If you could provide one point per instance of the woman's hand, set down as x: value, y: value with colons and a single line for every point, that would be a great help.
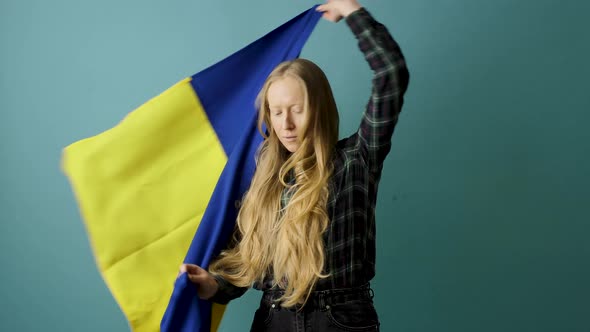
x: 335, y: 10
x: 206, y: 285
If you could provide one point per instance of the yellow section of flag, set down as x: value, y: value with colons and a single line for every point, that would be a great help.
x: 142, y: 188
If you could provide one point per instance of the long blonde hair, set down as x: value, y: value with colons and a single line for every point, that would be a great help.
x: 287, y: 242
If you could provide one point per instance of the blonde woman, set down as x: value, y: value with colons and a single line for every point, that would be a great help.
x: 305, y: 232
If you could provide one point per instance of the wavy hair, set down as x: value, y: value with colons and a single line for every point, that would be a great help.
x: 286, y: 242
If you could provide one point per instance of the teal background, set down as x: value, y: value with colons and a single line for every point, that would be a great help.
x: 483, y: 215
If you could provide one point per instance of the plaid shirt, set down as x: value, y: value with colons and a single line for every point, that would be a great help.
x: 358, y: 161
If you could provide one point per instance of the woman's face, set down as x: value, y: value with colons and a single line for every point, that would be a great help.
x: 288, y: 116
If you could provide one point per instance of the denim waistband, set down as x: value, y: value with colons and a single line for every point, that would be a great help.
x: 322, y: 299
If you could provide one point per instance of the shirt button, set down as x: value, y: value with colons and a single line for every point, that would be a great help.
x: 328, y: 307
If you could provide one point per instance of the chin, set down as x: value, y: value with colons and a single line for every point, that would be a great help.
x: 291, y: 147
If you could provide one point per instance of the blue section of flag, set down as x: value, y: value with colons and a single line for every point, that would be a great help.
x: 227, y: 91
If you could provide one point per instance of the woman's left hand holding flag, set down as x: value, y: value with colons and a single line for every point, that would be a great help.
x: 206, y: 285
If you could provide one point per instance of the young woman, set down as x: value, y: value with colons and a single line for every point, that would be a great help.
x: 306, y: 229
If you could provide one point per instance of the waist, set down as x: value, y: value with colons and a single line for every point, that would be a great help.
x: 323, y: 298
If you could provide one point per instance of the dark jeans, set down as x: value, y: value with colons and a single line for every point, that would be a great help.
x: 332, y: 310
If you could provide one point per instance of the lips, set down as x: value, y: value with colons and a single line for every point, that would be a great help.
x: 290, y: 138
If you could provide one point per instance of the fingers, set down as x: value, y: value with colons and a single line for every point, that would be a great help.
x: 336, y: 10
x: 194, y: 269
x: 206, y: 284
x: 324, y: 8
x: 330, y: 12
x: 181, y: 270
x: 191, y: 269
x: 195, y: 273
x: 328, y: 5
x: 197, y: 278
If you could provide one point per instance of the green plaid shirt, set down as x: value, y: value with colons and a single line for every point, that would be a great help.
x: 358, y: 161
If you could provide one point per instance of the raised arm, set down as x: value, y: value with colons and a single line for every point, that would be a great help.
x: 390, y: 79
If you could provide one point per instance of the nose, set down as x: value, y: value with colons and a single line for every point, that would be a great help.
x: 288, y: 122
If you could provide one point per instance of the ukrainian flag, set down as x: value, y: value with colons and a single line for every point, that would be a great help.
x: 161, y: 187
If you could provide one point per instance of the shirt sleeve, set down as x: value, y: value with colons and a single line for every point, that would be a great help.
x: 226, y: 291
x: 390, y: 82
